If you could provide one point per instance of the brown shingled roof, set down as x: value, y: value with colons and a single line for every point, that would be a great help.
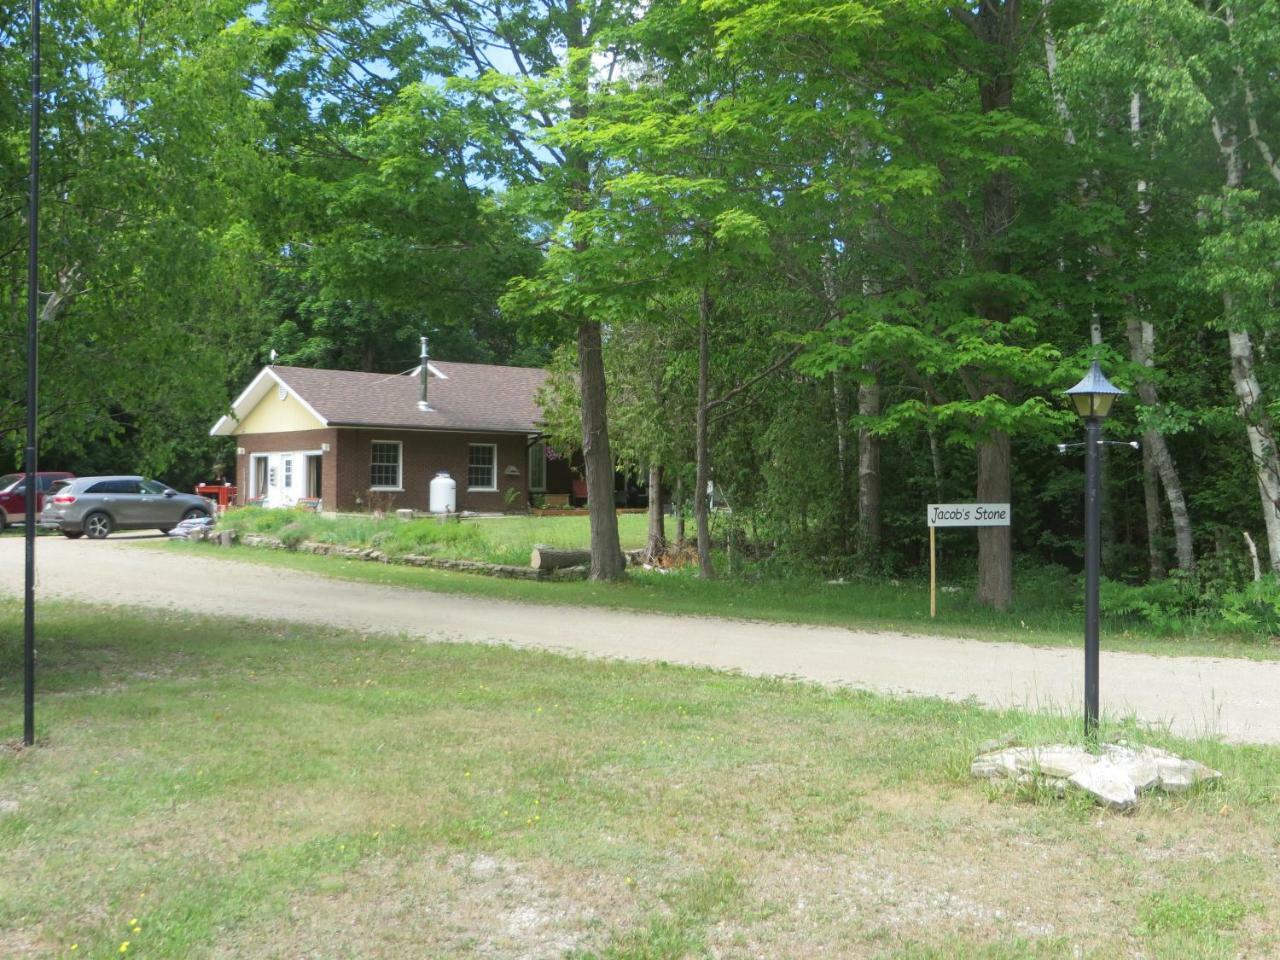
x: 469, y: 396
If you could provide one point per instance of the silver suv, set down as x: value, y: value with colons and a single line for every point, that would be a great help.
x: 95, y: 506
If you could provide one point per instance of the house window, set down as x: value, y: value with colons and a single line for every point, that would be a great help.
x: 259, y: 488
x: 288, y: 472
x: 538, y: 467
x: 384, y: 470
x: 482, y: 467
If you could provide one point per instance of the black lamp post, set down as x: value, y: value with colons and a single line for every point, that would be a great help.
x: 29, y: 453
x: 1093, y: 397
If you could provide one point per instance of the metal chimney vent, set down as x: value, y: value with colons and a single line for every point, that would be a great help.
x: 423, y: 405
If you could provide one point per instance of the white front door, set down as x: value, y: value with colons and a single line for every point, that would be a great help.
x: 289, y: 476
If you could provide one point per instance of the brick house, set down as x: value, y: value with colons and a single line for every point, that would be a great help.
x: 360, y: 441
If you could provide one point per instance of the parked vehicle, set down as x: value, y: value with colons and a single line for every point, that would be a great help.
x: 95, y: 506
x: 13, y: 498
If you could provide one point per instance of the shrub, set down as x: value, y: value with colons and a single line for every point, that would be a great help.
x: 1169, y: 606
x: 1180, y: 604
x: 1255, y: 608
x: 292, y: 536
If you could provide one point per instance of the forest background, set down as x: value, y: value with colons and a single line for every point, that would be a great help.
x: 841, y: 259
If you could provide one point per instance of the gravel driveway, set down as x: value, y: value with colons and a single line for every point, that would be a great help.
x: 1236, y: 699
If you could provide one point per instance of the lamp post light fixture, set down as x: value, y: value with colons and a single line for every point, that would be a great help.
x: 1092, y: 397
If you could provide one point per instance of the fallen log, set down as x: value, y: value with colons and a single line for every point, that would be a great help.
x: 553, y: 558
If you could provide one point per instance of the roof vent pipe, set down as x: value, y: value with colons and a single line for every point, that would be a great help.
x: 422, y: 374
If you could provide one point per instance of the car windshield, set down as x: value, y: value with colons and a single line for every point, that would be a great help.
x: 10, y: 480
x: 151, y: 486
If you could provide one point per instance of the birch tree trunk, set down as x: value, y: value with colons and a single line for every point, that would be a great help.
x: 678, y: 497
x: 838, y: 414
x: 702, y: 456
x: 1156, y: 453
x: 1261, y: 433
x: 1155, y: 520
x: 1244, y: 378
x: 870, y: 530
x: 838, y: 409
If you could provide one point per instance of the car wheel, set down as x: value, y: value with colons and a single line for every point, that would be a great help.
x: 195, y: 513
x: 164, y: 529
x: 97, y: 526
x: 4, y: 521
x: 72, y: 534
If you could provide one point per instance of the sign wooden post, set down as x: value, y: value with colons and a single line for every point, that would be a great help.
x: 933, y: 571
x: 958, y: 515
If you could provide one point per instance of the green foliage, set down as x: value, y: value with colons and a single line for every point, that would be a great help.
x: 1185, y: 605
x: 1167, y: 606
x: 1254, y: 609
x: 151, y: 174
x: 904, y: 192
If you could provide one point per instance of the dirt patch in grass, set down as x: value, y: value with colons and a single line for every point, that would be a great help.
x: 949, y: 875
x: 441, y: 904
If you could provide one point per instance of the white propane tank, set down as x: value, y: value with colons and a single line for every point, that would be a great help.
x: 444, y: 493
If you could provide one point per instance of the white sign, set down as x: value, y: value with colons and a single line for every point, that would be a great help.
x: 968, y: 515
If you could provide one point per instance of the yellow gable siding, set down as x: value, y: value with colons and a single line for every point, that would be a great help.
x: 273, y: 415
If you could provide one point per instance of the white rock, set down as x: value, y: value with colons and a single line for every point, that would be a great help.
x: 1141, y: 764
x: 1063, y: 762
x: 1177, y: 775
x: 8, y: 806
x: 1108, y: 782
x: 1002, y: 763
x: 1115, y: 776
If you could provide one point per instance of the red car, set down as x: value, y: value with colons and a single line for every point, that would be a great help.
x: 13, y: 501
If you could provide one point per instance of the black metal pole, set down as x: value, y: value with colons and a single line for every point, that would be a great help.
x: 30, y: 491
x: 1092, y: 563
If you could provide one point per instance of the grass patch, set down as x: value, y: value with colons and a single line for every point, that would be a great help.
x: 489, y: 539
x: 1174, y: 919
x: 1044, y: 612
x: 264, y: 789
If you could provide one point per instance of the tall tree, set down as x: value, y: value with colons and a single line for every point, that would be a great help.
x: 150, y: 172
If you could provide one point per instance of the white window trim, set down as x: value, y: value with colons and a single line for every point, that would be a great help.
x: 538, y: 446
x: 399, y: 487
x: 491, y: 489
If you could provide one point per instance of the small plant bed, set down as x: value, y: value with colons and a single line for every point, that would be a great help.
x: 507, y: 541
x: 212, y: 788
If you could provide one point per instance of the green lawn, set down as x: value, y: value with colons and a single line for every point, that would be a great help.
x: 1046, y: 611
x: 231, y: 789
